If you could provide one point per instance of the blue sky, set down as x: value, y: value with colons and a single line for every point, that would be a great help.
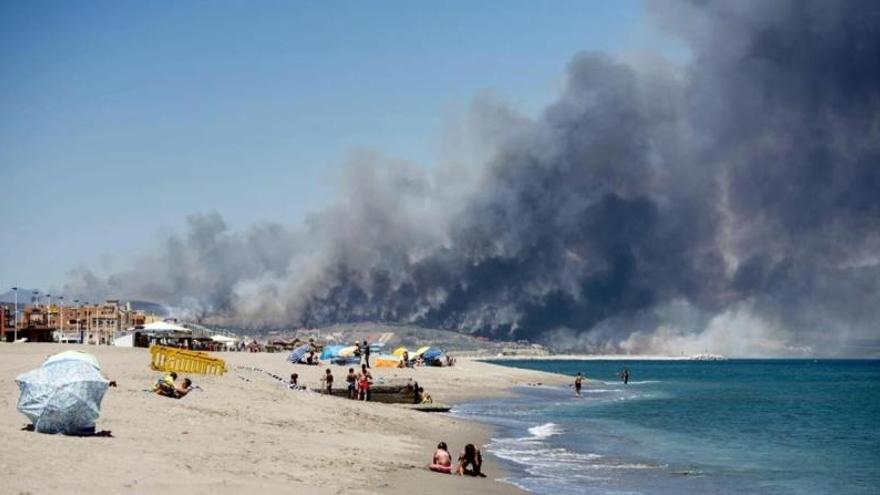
x: 118, y: 119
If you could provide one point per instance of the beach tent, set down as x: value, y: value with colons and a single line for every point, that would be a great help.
x: 331, y: 351
x: 399, y: 351
x: 297, y: 354
x: 229, y: 341
x: 64, y: 395
x: 165, y: 327
x: 420, y: 351
x: 432, y: 354
x: 386, y: 361
x: 126, y: 340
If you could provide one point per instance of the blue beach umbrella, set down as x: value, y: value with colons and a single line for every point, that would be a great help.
x: 297, y: 354
x: 432, y: 354
x: 63, y: 395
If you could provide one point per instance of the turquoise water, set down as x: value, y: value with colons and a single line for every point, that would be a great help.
x: 738, y: 426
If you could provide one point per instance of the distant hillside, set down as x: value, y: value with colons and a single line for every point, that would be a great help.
x: 410, y: 336
x: 24, y: 295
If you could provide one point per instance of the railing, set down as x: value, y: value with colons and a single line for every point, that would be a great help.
x: 183, y: 361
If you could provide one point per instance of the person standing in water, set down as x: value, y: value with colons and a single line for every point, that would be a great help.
x: 578, y: 383
x: 624, y: 375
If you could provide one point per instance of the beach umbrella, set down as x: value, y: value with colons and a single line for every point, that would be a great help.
x: 297, y: 354
x: 81, y: 356
x: 348, y: 351
x: 432, y: 354
x: 64, y: 395
x: 421, y: 350
x: 331, y: 351
x: 399, y: 351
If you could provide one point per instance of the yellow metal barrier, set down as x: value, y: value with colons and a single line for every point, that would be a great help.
x: 183, y: 361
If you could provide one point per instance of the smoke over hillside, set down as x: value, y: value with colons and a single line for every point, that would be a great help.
x: 732, y: 205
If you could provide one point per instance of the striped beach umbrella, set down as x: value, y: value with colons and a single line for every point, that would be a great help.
x: 297, y: 354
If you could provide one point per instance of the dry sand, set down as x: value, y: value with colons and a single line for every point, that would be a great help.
x: 256, y: 436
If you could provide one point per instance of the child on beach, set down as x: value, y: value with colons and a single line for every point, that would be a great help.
x: 328, y: 382
x: 351, y: 379
x: 165, y: 385
x: 442, y: 462
x: 293, y: 384
x: 364, y: 381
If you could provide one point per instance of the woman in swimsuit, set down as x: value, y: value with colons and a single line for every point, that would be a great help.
x: 470, y: 462
x: 442, y: 462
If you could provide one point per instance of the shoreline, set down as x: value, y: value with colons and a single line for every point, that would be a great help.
x: 245, y: 430
x: 589, y: 357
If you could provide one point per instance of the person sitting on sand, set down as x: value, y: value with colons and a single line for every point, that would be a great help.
x: 165, y: 385
x: 328, y: 382
x: 426, y: 398
x: 351, y: 380
x: 181, y: 391
x: 293, y: 384
x: 417, y: 393
x: 442, y: 462
x: 470, y: 462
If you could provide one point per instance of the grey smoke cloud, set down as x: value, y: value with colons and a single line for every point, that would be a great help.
x: 732, y: 205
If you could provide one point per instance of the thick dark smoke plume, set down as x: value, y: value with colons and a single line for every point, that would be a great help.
x: 732, y: 205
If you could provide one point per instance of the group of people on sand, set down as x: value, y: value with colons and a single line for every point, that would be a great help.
x: 358, y: 383
x: 167, y: 386
x: 419, y: 361
x: 470, y: 461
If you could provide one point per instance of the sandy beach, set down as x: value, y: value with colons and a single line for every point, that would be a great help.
x: 245, y: 432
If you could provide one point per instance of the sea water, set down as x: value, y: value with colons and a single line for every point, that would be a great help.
x: 736, y: 426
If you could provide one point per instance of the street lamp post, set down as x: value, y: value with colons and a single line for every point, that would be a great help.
x: 89, y: 321
x: 15, y: 319
x: 49, y: 311
x: 78, y: 324
x: 36, y: 299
